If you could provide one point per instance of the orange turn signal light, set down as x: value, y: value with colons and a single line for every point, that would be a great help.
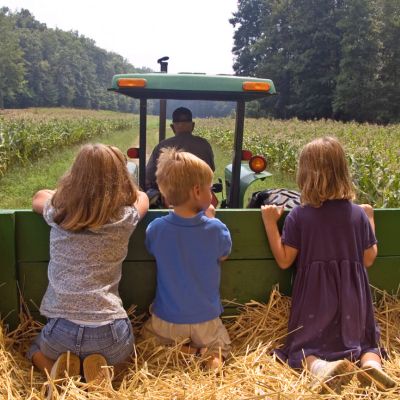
x: 257, y: 164
x: 133, y: 152
x: 246, y: 155
x: 131, y: 82
x: 256, y: 86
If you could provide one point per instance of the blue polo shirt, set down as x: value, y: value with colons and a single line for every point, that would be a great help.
x: 187, y: 252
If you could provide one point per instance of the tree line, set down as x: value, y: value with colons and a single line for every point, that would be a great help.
x: 328, y: 58
x: 43, y: 67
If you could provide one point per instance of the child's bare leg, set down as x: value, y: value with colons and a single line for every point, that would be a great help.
x: 41, y: 362
x: 367, y: 357
x: 309, y: 361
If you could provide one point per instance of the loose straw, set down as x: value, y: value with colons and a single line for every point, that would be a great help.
x: 159, y: 373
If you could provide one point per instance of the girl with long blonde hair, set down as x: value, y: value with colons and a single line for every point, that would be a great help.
x: 333, y: 241
x: 92, y: 213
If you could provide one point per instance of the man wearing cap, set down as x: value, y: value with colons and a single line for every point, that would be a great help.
x: 182, y: 126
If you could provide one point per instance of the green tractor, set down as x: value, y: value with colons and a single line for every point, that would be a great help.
x: 245, y: 168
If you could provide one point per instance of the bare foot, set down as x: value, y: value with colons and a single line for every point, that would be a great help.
x: 214, y: 363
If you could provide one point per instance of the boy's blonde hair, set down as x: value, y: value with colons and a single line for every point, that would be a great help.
x: 94, y: 190
x: 178, y: 172
x: 323, y: 173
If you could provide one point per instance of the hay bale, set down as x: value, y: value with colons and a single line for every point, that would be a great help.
x: 166, y: 373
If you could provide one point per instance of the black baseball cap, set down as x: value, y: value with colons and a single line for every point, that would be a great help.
x: 182, y: 114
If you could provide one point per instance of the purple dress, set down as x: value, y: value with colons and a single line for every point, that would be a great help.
x: 332, y: 315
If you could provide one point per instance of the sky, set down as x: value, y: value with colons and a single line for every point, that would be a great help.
x: 195, y: 34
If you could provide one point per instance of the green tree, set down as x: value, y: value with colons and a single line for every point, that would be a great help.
x: 275, y: 51
x: 11, y: 60
x: 296, y: 44
x: 249, y: 22
x: 60, y: 68
x: 356, y: 87
x: 389, y: 63
x: 315, y: 56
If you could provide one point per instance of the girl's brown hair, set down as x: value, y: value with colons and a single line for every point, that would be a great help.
x: 94, y: 190
x: 323, y: 173
x: 178, y: 172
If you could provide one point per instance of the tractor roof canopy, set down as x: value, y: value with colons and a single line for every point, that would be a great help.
x: 192, y: 86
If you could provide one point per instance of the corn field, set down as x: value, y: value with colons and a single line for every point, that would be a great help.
x: 373, y: 151
x: 25, y: 135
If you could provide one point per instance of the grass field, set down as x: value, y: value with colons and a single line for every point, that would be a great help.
x: 38, y: 145
x: 24, y: 176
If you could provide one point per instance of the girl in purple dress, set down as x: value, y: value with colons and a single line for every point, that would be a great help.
x: 332, y: 241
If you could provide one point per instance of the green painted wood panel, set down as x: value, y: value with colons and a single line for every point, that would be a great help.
x: 387, y: 223
x: 249, y: 273
x: 242, y: 281
x: 245, y: 280
x: 9, y: 297
x: 33, y: 283
x: 138, y: 284
x: 248, y: 236
x: 249, y: 240
x: 385, y: 273
x: 32, y: 237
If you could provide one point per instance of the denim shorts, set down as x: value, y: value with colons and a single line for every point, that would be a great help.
x: 114, y: 341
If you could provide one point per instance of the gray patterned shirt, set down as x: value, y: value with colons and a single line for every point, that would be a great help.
x: 85, y: 269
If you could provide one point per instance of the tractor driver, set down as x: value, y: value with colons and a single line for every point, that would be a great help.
x: 182, y: 126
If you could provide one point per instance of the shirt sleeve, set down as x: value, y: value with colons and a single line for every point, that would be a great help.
x: 225, y: 241
x: 148, y: 240
x: 133, y: 216
x: 48, y: 212
x: 291, y: 232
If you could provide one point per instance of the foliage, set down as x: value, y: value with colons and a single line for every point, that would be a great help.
x: 49, y: 67
x: 28, y: 135
x: 328, y: 58
x: 249, y: 22
x: 389, y: 74
x: 11, y: 61
x: 41, y: 67
x: 373, y: 150
x: 356, y: 88
x: 203, y: 108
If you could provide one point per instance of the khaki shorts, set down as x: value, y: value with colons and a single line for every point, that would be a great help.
x: 210, y: 334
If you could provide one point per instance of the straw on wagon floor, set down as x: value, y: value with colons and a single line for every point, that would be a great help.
x: 166, y: 373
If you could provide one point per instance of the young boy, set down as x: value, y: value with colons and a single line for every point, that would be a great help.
x: 188, y: 247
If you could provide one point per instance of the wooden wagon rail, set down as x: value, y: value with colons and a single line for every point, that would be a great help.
x: 249, y: 273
